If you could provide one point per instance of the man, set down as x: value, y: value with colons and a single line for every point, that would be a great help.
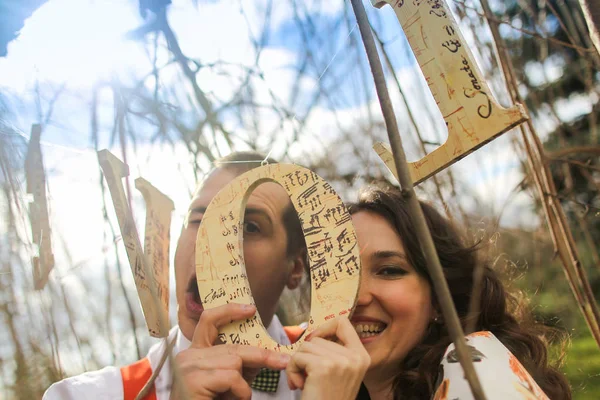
x: 274, y: 253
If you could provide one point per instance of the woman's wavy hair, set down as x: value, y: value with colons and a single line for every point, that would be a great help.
x: 499, y: 312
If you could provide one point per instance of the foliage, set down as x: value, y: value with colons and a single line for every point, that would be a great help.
x: 583, y: 367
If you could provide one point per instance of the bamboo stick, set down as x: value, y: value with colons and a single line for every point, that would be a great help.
x: 562, y: 236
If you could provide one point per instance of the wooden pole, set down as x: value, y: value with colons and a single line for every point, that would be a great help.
x: 433, y: 263
x: 591, y: 12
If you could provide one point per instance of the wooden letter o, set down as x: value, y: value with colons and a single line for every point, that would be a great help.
x: 333, y: 253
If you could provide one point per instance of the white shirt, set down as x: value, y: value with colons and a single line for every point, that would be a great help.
x: 107, y: 384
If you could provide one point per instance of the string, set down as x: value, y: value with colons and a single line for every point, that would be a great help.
x: 342, y: 46
x: 266, y: 160
x: 329, y: 64
x: 49, y: 144
x: 294, y: 117
x: 263, y: 162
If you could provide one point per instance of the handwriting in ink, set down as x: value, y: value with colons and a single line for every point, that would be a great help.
x: 213, y: 295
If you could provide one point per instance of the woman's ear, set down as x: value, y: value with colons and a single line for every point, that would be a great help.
x: 297, y: 267
x: 436, y: 312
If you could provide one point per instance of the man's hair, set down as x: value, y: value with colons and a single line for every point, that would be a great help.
x: 239, y: 162
x: 243, y: 161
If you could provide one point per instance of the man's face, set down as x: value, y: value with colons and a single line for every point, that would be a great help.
x: 268, y: 265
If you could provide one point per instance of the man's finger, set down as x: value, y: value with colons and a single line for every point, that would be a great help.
x: 252, y: 357
x: 189, y: 363
x: 232, y: 381
x: 211, y: 383
x: 207, y: 330
x: 255, y: 357
x: 250, y: 374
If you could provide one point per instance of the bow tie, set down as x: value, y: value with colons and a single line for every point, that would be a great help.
x: 266, y: 380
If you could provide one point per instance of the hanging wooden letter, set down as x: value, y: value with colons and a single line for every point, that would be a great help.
x: 472, y: 115
x: 152, y: 283
x: 330, y: 238
x: 157, y: 235
x: 38, y: 210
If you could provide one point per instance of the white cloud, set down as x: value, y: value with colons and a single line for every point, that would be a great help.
x: 73, y: 41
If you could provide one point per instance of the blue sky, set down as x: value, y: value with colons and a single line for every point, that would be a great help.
x: 78, y: 43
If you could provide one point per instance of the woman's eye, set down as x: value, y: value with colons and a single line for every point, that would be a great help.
x: 392, y: 271
x: 251, y: 227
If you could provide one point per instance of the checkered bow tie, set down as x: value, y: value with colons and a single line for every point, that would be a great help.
x: 266, y: 380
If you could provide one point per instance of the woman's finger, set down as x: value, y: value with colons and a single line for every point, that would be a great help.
x: 295, y: 380
x: 340, y: 327
x: 317, y: 345
x: 297, y: 366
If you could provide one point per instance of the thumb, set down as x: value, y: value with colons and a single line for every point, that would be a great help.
x: 207, y: 330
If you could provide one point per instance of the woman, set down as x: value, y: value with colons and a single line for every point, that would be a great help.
x: 397, y: 343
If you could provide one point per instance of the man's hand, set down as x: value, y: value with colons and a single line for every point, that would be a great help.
x: 209, y: 371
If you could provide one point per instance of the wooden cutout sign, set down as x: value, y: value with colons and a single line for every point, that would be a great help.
x: 472, y: 115
x: 38, y: 210
x: 330, y: 238
x: 157, y: 234
x: 148, y: 281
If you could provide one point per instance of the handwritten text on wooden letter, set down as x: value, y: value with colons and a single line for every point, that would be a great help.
x: 330, y: 239
x: 472, y: 115
x: 158, y: 221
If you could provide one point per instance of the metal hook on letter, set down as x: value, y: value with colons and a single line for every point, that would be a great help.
x: 472, y: 115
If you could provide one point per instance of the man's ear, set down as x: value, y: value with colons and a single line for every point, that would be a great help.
x: 298, y: 266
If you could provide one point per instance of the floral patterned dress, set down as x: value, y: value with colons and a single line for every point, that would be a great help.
x: 501, y: 375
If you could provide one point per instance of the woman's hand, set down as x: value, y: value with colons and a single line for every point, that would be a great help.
x: 223, y: 371
x: 324, y: 369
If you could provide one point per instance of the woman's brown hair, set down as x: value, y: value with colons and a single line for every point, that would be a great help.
x: 497, y: 313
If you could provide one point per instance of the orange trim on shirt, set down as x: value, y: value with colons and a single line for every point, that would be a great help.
x: 293, y: 332
x: 135, y: 377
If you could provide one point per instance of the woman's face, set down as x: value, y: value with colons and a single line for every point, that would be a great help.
x: 394, y: 304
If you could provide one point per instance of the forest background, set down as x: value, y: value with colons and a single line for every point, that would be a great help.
x: 170, y: 86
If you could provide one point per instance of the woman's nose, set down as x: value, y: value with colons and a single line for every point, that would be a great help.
x: 365, y: 295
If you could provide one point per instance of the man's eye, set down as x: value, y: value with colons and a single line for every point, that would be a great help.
x: 251, y: 227
x: 193, y: 222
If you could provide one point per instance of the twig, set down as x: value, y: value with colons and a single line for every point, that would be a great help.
x: 590, y: 149
x: 525, y: 31
x: 578, y: 163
